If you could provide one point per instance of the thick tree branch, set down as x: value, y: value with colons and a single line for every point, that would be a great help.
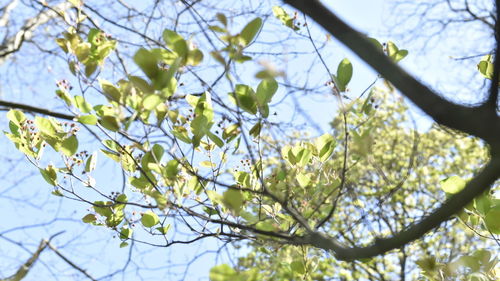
x: 481, y: 121
x: 459, y: 117
x: 24, y: 269
x: 475, y: 187
x: 29, y: 108
x: 493, y: 96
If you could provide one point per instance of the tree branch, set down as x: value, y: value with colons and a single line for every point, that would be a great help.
x: 25, y: 268
x: 459, y: 117
x: 493, y: 96
x: 13, y: 44
x: 481, y: 121
x: 29, y: 108
x: 475, y: 187
x: 72, y: 264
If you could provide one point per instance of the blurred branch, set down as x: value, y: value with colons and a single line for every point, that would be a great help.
x: 467, y: 119
x: 13, y: 43
x: 29, y: 108
x: 72, y: 264
x: 24, y: 269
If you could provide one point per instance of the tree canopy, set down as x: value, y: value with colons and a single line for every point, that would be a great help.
x: 183, y: 122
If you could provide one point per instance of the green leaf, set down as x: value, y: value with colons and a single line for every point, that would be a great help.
x: 492, y: 220
x: 110, y: 122
x: 303, y: 157
x: 303, y: 180
x: 195, y: 57
x: 221, y: 18
x: 172, y: 169
x: 123, y: 244
x: 69, y: 145
x: 344, y: 74
x: 90, y: 119
x: 255, y: 130
x: 222, y: 272
x: 46, y: 126
x: 250, y: 31
x: 325, y: 146
x: 82, y: 51
x: 89, y: 218
x: 181, y: 134
x: 401, y: 54
x: 57, y: 192
x: 233, y: 200
x: 151, y: 101
x: 453, y: 184
x: 16, y: 116
x: 163, y: 229
x: 82, y: 104
x: 283, y: 16
x: 90, y: 68
x: 147, y: 62
x: 49, y: 175
x: 141, y: 84
x: 176, y: 43
x: 376, y: 43
x: 126, y: 233
x: 486, y: 67
x: 265, y: 92
x: 150, y: 219
x: 394, y: 53
x: 482, y: 203
x: 298, y: 266
x: 65, y: 96
x: 392, y: 49
x: 218, y: 141
x: 110, y: 91
x: 91, y: 162
x: 244, y: 97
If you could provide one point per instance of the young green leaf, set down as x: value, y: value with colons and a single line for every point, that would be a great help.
x: 91, y: 163
x: 89, y: 218
x: 150, y: 219
x: 16, y: 116
x: 233, y: 200
x: 69, y: 145
x: 82, y: 104
x: 151, y: 101
x: 176, y: 43
x: 453, y: 184
x: 110, y: 122
x: 147, y: 62
x: 250, y: 31
x: 90, y: 119
x: 49, y: 175
x: 283, y: 16
x: 492, y: 220
x: 344, y: 74
x: 126, y: 233
x: 163, y: 229
x: 265, y: 91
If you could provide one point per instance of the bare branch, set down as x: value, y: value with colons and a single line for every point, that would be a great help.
x: 29, y: 108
